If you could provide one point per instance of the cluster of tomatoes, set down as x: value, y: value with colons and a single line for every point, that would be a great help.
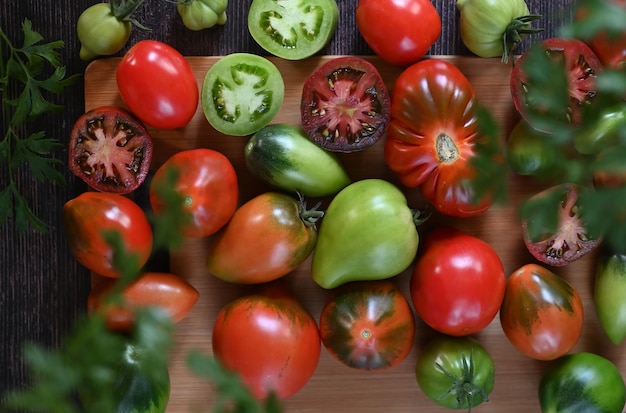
x: 367, y: 323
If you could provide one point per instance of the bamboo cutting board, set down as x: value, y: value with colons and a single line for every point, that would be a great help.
x: 334, y: 387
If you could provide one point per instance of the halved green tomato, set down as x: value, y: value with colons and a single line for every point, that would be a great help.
x: 242, y: 93
x: 292, y: 30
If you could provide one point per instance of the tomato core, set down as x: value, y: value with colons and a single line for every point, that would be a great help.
x: 447, y: 151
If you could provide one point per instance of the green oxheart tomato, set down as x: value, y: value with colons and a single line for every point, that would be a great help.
x: 609, y: 293
x: 202, y: 14
x: 456, y: 372
x: 582, y: 382
x: 283, y: 156
x: 368, y: 233
x: 100, y: 32
x: 292, y: 30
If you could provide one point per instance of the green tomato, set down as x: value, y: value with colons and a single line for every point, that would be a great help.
x: 101, y: 32
x: 455, y: 372
x: 607, y: 129
x: 283, y: 156
x: 368, y: 233
x: 241, y: 93
x: 292, y: 30
x: 491, y: 28
x: 529, y: 151
x: 202, y: 14
x: 609, y: 296
x: 582, y: 382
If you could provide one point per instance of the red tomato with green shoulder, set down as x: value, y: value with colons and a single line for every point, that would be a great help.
x: 541, y: 314
x: 433, y: 137
x: 267, y: 237
x: 400, y: 32
x: 269, y: 339
x: 207, y: 181
x: 457, y: 283
x: 368, y: 325
x: 158, y: 84
x: 88, y: 216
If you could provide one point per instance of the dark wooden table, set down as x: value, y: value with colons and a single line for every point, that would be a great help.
x: 42, y: 288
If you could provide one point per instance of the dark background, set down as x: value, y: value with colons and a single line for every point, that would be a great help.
x: 42, y: 288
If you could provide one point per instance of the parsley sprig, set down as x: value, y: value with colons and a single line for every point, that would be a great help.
x: 28, y: 75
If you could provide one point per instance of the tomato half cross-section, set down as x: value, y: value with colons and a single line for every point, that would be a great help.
x: 368, y: 325
x: 269, y: 339
x: 434, y: 135
x: 458, y: 282
x: 110, y: 149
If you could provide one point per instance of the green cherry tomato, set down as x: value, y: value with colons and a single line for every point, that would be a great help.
x: 455, y: 372
x: 609, y: 295
x: 242, y: 93
x: 292, y: 30
x: 582, y: 382
x: 368, y: 233
x: 202, y: 14
x: 283, y: 156
x: 101, y: 32
x: 491, y: 28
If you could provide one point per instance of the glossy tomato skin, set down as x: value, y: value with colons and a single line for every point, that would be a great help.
x: 400, y: 32
x: 270, y: 340
x: 455, y: 372
x: 169, y: 292
x: 87, y: 216
x: 542, y: 314
x: 368, y: 325
x: 582, y: 382
x: 458, y: 282
x: 146, y: 76
x: 368, y: 233
x: 208, y: 182
x: 432, y: 136
x: 267, y: 237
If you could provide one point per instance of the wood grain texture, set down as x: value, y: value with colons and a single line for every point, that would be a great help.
x: 334, y: 387
x: 42, y: 288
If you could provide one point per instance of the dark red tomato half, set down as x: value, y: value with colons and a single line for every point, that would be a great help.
x: 368, y: 325
x: 345, y: 105
x: 541, y: 313
x: 168, y: 292
x: 207, y: 181
x: 90, y: 214
x: 608, y: 46
x: 270, y: 340
x: 110, y: 150
x: 581, y: 66
x: 457, y: 283
x: 433, y: 136
x: 158, y: 84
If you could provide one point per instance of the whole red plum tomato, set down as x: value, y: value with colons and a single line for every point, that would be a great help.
x: 168, y: 292
x: 541, y: 313
x: 399, y: 31
x: 87, y: 217
x: 368, y: 325
x: 158, y: 84
x: 207, y: 181
x: 269, y: 339
x: 457, y: 283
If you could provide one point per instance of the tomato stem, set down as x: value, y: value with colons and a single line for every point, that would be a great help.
x: 124, y: 9
x: 308, y: 216
x: 464, y: 387
x: 513, y: 35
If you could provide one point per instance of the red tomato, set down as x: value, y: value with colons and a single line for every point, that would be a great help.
x: 368, y: 325
x: 609, y: 47
x: 158, y: 85
x: 541, y: 314
x: 433, y: 134
x: 169, y: 292
x: 208, y: 182
x: 399, y: 31
x: 87, y: 216
x: 267, y: 237
x: 457, y: 283
x: 270, y: 340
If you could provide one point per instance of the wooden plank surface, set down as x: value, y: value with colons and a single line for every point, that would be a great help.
x: 334, y: 387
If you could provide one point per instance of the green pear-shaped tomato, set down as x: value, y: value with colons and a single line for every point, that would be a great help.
x: 100, y: 32
x: 368, y: 233
x: 202, y: 14
x: 609, y: 295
